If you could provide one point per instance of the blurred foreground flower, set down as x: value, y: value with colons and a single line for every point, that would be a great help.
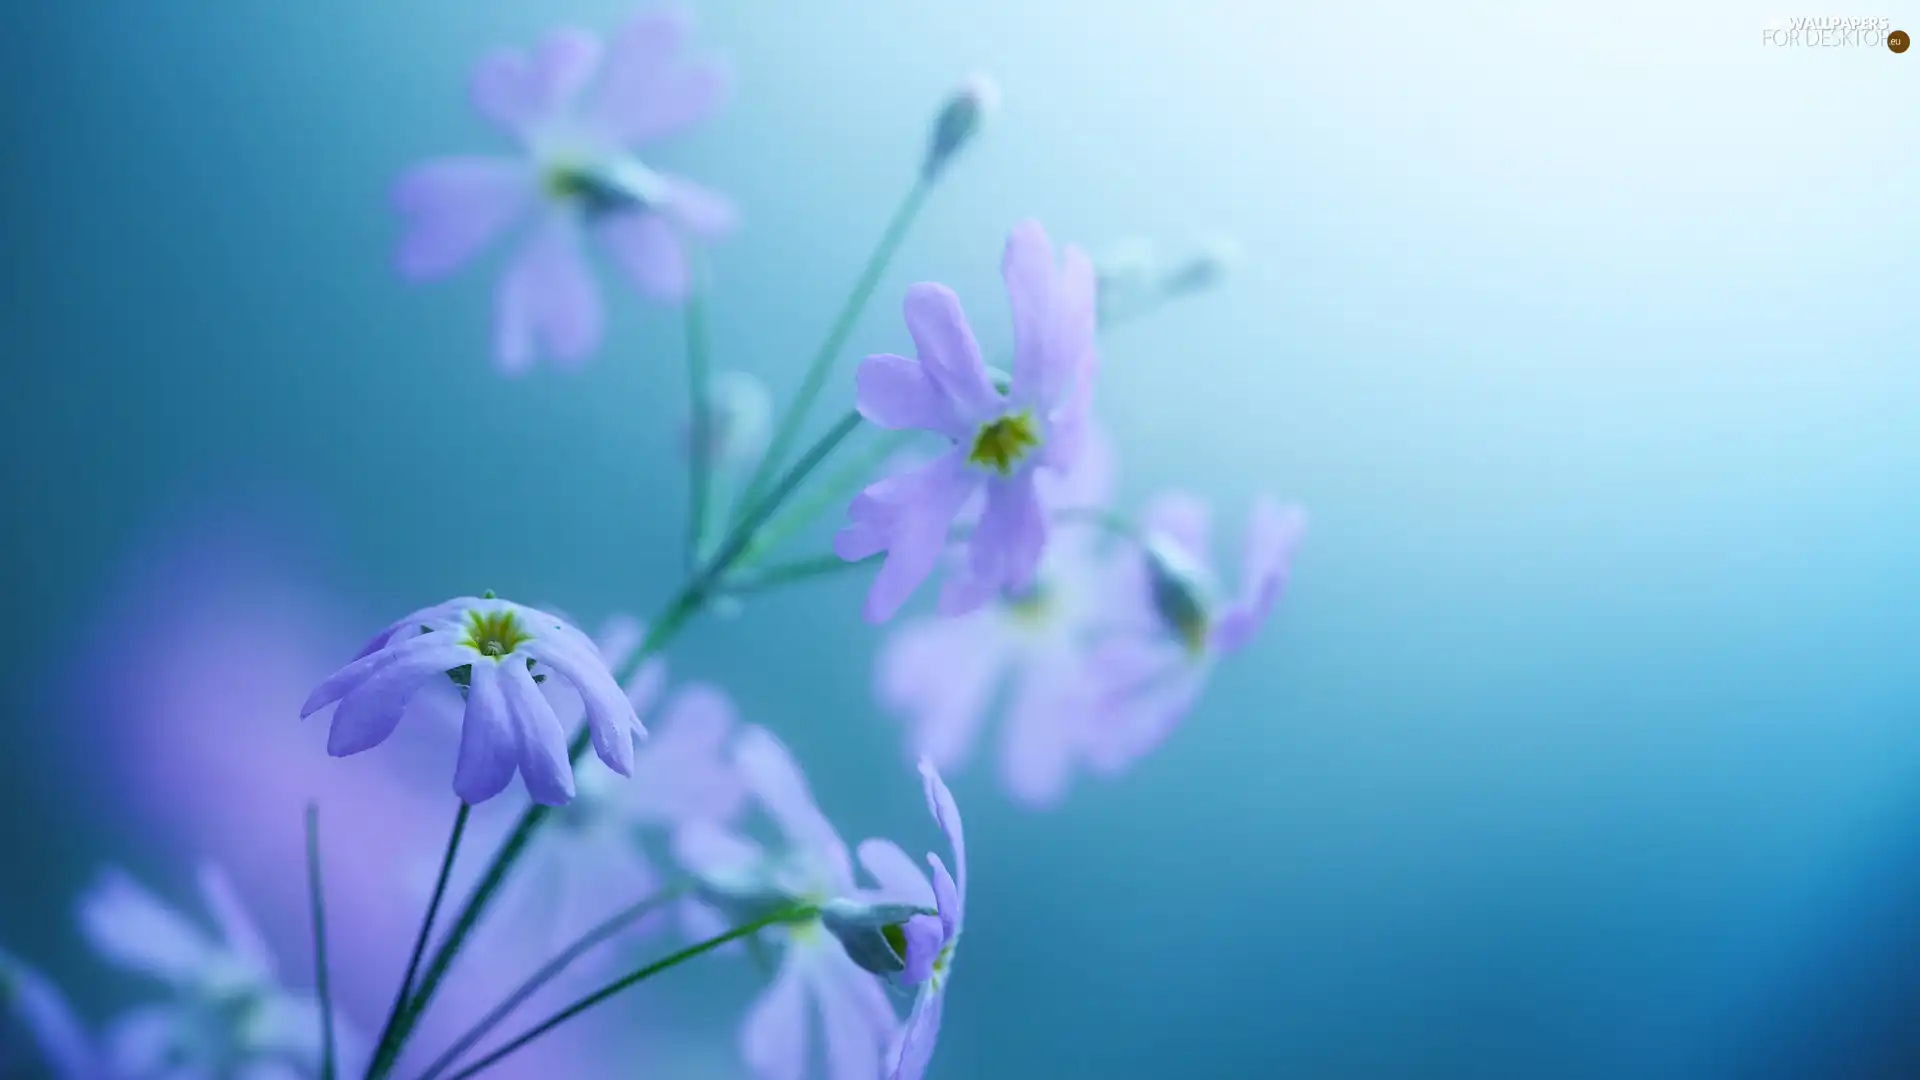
x: 998, y: 440
x: 578, y: 175
x: 226, y: 1014
x: 489, y: 646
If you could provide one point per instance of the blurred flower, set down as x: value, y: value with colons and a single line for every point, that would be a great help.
x: 489, y: 646
x: 226, y: 1014
x: 960, y: 119
x: 578, y: 175
x: 941, y: 675
x: 998, y: 441
x: 59, y: 1042
x: 930, y: 941
x: 746, y: 882
x: 1171, y: 621
x: 739, y: 421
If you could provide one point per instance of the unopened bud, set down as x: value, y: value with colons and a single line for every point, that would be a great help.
x: 739, y: 419
x: 874, y: 935
x: 1204, y: 269
x: 959, y: 121
x: 1182, y: 593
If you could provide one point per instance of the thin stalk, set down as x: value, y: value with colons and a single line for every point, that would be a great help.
x: 399, y: 1018
x: 699, y: 461
x: 316, y: 894
x: 612, y: 925
x: 788, y: 573
x: 821, y: 365
x: 797, y: 913
x: 835, y: 491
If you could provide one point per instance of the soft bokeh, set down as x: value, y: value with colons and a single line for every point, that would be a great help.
x: 1583, y: 747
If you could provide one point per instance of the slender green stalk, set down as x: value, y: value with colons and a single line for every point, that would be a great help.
x: 797, y: 913
x: 789, y: 573
x: 316, y: 893
x: 835, y: 491
x: 612, y: 925
x: 399, y: 1018
x: 821, y: 365
x: 700, y: 433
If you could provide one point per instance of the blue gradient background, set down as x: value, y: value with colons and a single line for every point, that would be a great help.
x: 1585, y: 745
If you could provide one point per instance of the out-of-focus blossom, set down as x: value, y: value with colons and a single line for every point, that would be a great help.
x: 225, y: 1014
x: 578, y: 175
x: 972, y: 103
x: 739, y: 421
x: 60, y: 1043
x: 999, y: 441
x: 593, y: 858
x: 941, y: 675
x: 489, y: 646
x: 1171, y: 620
x: 747, y: 881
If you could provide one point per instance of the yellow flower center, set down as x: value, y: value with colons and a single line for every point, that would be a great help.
x: 495, y: 633
x: 1002, y: 444
x: 1031, y: 608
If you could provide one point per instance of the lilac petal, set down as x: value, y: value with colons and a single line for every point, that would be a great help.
x: 923, y: 1032
x: 365, y: 717
x: 544, y: 766
x: 619, y: 638
x: 237, y: 929
x: 853, y: 1047
x: 1027, y: 267
x: 774, y: 1038
x: 130, y: 927
x: 49, y: 1020
x: 519, y: 91
x: 944, y: 344
x: 715, y: 854
x: 453, y: 206
x: 1042, y: 729
x: 1145, y: 690
x: 926, y: 936
x: 643, y: 93
x: 610, y: 716
x: 430, y: 617
x: 646, y: 248
x: 899, y: 394
x: 900, y: 878
x: 489, y: 748
x: 138, y: 1041
x: 1183, y: 519
x: 697, y: 209
x: 1088, y: 484
x: 947, y: 813
x: 917, y: 510
x: 1273, y: 535
x: 345, y: 681
x: 547, y: 298
x: 776, y: 781
x: 941, y: 674
x: 948, y: 896
x: 684, y: 774
x: 1004, y: 553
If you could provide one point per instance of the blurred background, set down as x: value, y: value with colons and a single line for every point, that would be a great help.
x: 1584, y: 745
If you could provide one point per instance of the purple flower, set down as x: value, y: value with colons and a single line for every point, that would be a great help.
x: 226, y: 1013
x: 59, y: 1041
x: 812, y: 866
x: 1171, y: 620
x: 930, y: 940
x: 577, y: 175
x: 941, y: 675
x: 490, y: 645
x: 998, y: 440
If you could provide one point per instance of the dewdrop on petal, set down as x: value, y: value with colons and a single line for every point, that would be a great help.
x: 972, y: 102
x: 1204, y: 269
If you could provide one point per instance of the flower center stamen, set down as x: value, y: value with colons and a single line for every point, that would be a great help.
x: 1003, y: 443
x: 495, y: 633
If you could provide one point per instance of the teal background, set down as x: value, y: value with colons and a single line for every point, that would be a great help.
x: 1584, y: 745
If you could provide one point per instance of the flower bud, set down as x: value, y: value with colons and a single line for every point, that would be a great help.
x: 1182, y: 594
x: 960, y: 118
x: 874, y: 935
x: 1204, y: 268
x: 739, y: 420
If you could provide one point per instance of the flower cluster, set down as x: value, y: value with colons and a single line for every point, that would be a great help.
x: 1103, y: 627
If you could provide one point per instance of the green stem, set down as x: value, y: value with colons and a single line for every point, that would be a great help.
x: 699, y: 463
x: 797, y: 913
x: 400, y: 1017
x: 615, y: 923
x: 316, y: 894
x: 836, y: 491
x: 788, y: 573
x: 821, y: 365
